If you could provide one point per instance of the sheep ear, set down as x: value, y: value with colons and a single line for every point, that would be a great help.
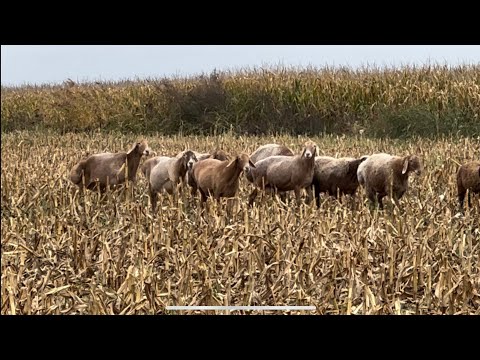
x: 405, y: 165
x: 231, y: 162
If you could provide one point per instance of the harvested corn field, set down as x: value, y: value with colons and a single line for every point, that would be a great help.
x: 68, y: 253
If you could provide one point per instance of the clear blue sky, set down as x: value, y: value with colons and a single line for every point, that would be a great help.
x: 55, y: 63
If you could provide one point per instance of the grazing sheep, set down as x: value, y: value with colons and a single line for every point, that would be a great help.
x: 167, y: 173
x: 335, y: 176
x: 468, y: 178
x: 284, y: 173
x: 109, y: 168
x: 268, y: 150
x: 382, y: 174
x: 217, y: 178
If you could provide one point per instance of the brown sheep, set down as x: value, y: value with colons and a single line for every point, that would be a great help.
x: 380, y: 171
x: 109, y: 168
x: 216, y: 154
x: 167, y: 173
x: 285, y: 173
x: 468, y: 178
x: 268, y: 150
x: 219, y: 178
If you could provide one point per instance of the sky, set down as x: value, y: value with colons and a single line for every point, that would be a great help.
x: 38, y: 64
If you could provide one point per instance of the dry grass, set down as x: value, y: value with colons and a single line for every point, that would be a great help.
x: 62, y: 254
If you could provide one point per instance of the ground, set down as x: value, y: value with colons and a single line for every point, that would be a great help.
x: 67, y: 254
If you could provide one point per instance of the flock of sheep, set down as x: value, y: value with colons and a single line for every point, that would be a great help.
x: 272, y: 168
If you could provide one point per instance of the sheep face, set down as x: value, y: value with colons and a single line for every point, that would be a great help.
x: 310, y: 150
x: 189, y: 159
x: 412, y: 163
x: 142, y: 148
x: 243, y: 161
x: 248, y: 166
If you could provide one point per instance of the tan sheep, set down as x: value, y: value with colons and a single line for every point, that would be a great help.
x: 284, y: 173
x: 217, y: 178
x: 468, y: 179
x: 383, y: 174
x: 168, y: 173
x: 268, y: 150
x: 335, y: 176
x: 216, y: 154
x: 109, y: 168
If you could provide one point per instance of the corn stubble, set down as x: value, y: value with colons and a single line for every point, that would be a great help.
x: 63, y: 253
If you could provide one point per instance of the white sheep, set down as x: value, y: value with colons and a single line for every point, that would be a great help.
x: 168, y: 172
x: 384, y: 175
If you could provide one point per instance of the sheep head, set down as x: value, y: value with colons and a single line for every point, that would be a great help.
x: 219, y: 155
x: 142, y: 148
x: 188, y: 159
x: 412, y: 163
x: 242, y: 161
x: 309, y: 150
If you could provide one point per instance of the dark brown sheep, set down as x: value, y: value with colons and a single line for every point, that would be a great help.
x: 382, y: 174
x: 468, y: 179
x: 284, y: 173
x: 336, y: 176
x: 109, y: 168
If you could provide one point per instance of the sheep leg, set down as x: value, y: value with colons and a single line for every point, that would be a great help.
x: 298, y: 196
x: 309, y: 194
x: 461, y: 198
x: 193, y: 184
x: 371, y: 196
x: 283, y: 197
x: 230, y: 207
x: 379, y: 200
x: 153, y: 199
x: 316, y: 189
x: 252, y: 197
x: 354, y: 202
